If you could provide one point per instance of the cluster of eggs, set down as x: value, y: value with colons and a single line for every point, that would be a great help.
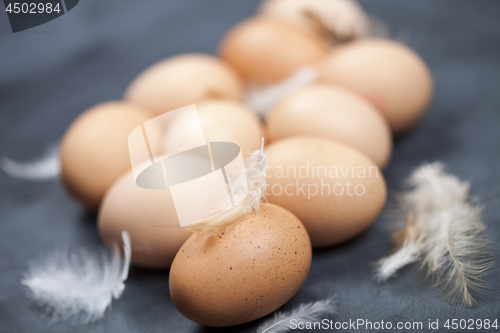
x: 367, y: 91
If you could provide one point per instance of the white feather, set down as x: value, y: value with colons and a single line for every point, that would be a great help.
x: 447, y: 236
x: 256, y: 173
x: 256, y: 166
x: 46, y: 168
x: 306, y: 312
x: 262, y: 99
x: 68, y: 283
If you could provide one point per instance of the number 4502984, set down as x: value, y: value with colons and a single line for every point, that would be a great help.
x: 471, y: 324
x: 32, y: 8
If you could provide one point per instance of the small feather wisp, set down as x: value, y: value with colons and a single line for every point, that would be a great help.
x: 71, y: 283
x: 47, y: 167
x: 256, y: 166
x: 444, y: 232
x: 306, y: 312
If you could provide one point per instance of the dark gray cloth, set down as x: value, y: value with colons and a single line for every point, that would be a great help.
x: 51, y: 73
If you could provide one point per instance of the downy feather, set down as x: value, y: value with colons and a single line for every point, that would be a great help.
x: 446, y: 236
x: 69, y: 283
x: 306, y: 312
x: 256, y: 166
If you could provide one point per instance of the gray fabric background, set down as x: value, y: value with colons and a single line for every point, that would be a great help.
x: 51, y: 73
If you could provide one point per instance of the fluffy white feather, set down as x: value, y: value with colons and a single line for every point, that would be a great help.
x: 68, y: 283
x: 46, y: 168
x: 446, y: 237
x: 256, y: 166
x: 306, y: 312
x: 256, y: 173
x: 262, y: 99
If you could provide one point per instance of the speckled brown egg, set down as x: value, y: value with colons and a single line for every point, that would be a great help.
x: 183, y: 80
x: 148, y: 216
x: 243, y: 274
x: 94, y: 150
x: 389, y: 74
x: 335, y: 190
x: 333, y: 112
x: 266, y: 50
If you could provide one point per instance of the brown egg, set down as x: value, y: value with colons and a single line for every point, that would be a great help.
x: 266, y: 51
x: 150, y: 218
x: 265, y: 131
x: 336, y: 113
x: 245, y: 273
x: 221, y: 120
x: 336, y: 19
x: 390, y: 75
x: 335, y: 190
x: 183, y: 80
x: 94, y: 149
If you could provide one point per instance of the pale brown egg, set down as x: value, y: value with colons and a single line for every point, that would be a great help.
x: 265, y: 50
x: 243, y: 274
x: 221, y: 120
x: 148, y: 215
x: 389, y: 74
x: 265, y: 131
x: 183, y: 80
x: 332, y: 112
x: 336, y: 191
x: 94, y: 150
x: 336, y: 20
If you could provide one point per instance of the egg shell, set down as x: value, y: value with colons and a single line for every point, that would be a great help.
x: 335, y: 202
x: 336, y: 113
x: 149, y: 216
x: 341, y: 19
x: 221, y: 120
x: 94, y: 150
x: 243, y: 274
x: 265, y: 50
x: 183, y: 80
x: 389, y: 74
